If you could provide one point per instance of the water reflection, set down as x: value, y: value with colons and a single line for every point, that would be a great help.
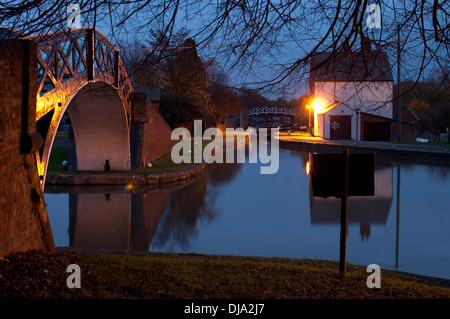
x: 103, y: 218
x: 188, y: 206
x: 98, y: 220
x: 233, y: 209
x: 362, y: 210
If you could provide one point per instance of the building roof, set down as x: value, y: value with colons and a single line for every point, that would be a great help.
x: 351, y: 66
x: 413, y: 114
x: 387, y: 119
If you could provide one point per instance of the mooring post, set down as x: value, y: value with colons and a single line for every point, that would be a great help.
x: 344, y: 213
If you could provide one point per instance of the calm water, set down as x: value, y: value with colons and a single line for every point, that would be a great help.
x: 233, y: 210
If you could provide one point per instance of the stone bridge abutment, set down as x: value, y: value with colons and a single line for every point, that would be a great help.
x: 24, y: 221
x: 41, y: 79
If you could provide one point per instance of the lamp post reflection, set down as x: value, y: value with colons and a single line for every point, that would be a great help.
x: 398, y: 217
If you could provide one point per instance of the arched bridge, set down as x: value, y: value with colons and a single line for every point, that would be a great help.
x: 81, y: 72
x: 269, y: 110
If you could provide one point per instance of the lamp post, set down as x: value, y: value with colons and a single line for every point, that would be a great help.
x: 309, y: 118
x: 317, y: 107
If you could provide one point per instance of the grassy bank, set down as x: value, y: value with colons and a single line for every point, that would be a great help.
x: 43, y: 275
x: 59, y: 154
x: 420, y: 143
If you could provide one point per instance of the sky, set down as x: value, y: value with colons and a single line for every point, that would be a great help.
x: 281, y: 47
x: 295, y: 42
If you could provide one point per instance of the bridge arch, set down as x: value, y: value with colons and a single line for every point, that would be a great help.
x: 101, y: 129
x: 81, y: 72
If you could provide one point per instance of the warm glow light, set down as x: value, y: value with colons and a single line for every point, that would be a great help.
x: 307, y: 168
x: 307, y: 106
x: 316, y: 105
x: 129, y: 187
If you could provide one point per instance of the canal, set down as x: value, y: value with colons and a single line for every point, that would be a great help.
x: 234, y: 210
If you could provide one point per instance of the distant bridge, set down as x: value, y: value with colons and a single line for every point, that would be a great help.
x: 81, y: 72
x: 269, y: 110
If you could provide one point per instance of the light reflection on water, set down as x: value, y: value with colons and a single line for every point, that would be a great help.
x: 234, y: 210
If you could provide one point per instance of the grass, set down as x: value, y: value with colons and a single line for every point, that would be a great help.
x: 59, y: 153
x: 124, y: 275
x: 163, y: 164
x: 419, y: 143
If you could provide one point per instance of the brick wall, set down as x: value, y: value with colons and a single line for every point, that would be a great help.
x: 407, y: 129
x: 24, y: 221
x: 154, y: 132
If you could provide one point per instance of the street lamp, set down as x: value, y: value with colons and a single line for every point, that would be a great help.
x: 309, y: 118
x: 317, y: 107
x: 316, y: 104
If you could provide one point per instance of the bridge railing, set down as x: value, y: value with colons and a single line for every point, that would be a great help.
x: 271, y: 110
x: 85, y: 54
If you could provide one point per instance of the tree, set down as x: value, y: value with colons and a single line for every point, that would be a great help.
x: 430, y: 100
x: 179, y: 111
x: 301, y: 111
x: 185, y: 96
x: 148, y: 63
x: 223, y: 99
x: 442, y: 123
x: 187, y: 76
x: 178, y: 70
x: 143, y: 68
x: 252, y: 98
x: 265, y: 43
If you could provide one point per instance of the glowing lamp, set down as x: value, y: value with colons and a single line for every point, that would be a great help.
x: 316, y: 105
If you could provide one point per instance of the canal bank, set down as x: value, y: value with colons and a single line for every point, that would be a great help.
x: 191, y: 276
x: 166, y: 174
x: 427, y: 154
x: 134, y: 178
x: 217, y: 215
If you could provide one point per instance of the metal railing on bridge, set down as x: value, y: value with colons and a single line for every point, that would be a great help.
x: 271, y: 110
x: 67, y: 61
x: 80, y: 55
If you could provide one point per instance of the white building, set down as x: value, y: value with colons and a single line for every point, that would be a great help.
x: 354, y: 93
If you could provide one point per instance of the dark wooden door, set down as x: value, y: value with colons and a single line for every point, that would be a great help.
x: 341, y: 127
x: 377, y: 131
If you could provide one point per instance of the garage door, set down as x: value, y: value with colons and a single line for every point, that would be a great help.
x: 340, y: 127
x: 377, y: 131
